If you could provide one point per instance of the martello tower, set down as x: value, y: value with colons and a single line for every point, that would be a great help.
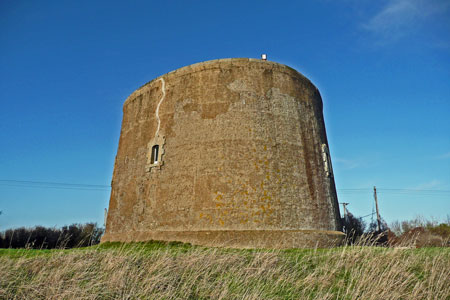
x: 229, y: 152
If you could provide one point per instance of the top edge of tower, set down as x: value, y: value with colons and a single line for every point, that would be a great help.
x: 225, y: 63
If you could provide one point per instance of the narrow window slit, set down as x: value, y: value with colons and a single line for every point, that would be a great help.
x: 154, y: 157
x: 327, y: 161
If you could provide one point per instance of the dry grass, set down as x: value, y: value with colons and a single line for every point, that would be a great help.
x: 156, y: 271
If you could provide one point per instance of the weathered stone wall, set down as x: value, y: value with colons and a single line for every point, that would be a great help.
x: 242, y: 160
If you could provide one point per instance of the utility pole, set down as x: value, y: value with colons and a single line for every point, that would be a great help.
x: 376, y: 206
x: 344, y: 206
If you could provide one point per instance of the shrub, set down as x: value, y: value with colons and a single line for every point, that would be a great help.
x: 420, y: 232
x: 353, y: 227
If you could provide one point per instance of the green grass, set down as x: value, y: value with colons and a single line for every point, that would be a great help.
x: 158, y: 270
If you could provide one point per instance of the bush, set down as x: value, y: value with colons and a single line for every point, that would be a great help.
x: 353, y: 227
x: 420, y: 232
x: 442, y: 230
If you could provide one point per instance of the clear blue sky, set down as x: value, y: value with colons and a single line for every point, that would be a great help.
x: 66, y: 68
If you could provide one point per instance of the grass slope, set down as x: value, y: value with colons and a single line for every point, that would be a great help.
x: 178, y: 271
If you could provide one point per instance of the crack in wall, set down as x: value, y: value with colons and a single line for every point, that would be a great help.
x: 157, y: 140
x: 163, y: 87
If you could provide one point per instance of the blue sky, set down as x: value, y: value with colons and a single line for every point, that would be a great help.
x: 66, y: 68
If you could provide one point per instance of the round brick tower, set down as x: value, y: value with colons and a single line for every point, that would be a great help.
x: 229, y: 152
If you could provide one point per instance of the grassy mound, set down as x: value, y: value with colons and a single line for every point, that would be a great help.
x: 179, y: 271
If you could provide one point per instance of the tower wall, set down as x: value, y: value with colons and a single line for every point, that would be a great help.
x: 241, y: 161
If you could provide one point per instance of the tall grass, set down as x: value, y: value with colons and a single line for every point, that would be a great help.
x: 177, y: 271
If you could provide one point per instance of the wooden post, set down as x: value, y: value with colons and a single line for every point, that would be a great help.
x: 344, y: 206
x: 376, y: 206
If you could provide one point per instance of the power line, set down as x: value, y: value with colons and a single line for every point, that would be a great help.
x: 84, y: 186
x: 53, y: 183
x: 367, y: 215
x: 413, y: 190
x: 396, y: 191
x: 108, y: 186
x: 55, y: 187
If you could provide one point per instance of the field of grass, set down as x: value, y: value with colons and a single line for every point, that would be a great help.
x: 178, y: 271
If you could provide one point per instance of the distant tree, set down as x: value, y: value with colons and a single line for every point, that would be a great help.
x: 78, y: 235
x: 442, y: 230
x: 396, y: 228
x: 353, y: 227
x: 43, y: 237
x: 92, y: 233
x: 16, y: 238
x: 379, y: 237
x: 373, y: 226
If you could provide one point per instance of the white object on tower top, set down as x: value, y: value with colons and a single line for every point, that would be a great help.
x: 264, y: 56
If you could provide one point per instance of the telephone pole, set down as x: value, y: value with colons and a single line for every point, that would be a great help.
x: 376, y: 206
x: 344, y: 206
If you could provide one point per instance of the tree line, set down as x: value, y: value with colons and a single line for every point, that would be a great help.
x: 424, y: 233
x: 40, y: 237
